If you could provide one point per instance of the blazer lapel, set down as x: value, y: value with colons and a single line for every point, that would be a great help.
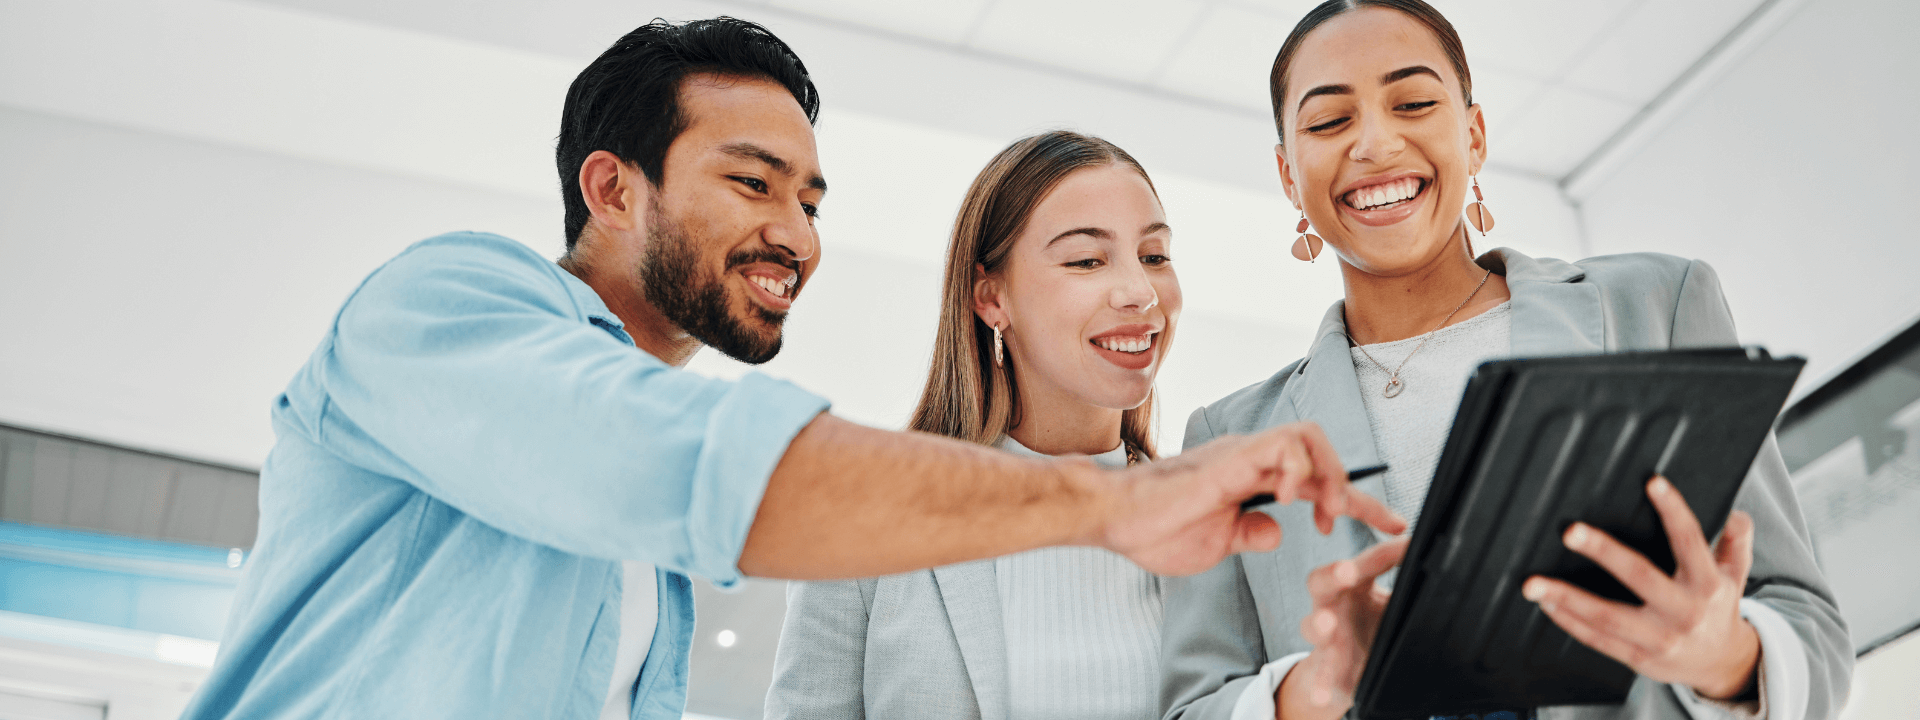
x: 1553, y: 312
x: 1326, y: 391
x: 971, y: 594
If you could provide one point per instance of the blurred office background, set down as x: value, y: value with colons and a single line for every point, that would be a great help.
x: 188, y: 189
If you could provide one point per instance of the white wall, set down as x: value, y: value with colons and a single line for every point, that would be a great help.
x: 1794, y: 175
x: 188, y: 188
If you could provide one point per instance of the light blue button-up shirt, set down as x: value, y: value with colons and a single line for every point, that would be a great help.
x: 459, y: 468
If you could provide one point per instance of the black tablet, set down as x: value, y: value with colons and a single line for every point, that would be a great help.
x: 1536, y: 445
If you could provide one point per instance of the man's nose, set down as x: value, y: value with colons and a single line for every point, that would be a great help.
x: 793, y: 233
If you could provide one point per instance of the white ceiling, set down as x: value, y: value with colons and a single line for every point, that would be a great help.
x: 1558, y: 77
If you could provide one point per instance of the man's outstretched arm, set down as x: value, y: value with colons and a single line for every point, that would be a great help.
x: 850, y: 501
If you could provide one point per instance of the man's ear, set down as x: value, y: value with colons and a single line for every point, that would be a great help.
x: 988, y: 302
x: 615, y: 192
x: 1286, y: 173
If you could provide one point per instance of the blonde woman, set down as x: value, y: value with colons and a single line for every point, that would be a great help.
x: 1059, y: 307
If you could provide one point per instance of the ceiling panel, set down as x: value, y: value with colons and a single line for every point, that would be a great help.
x: 1654, y: 45
x: 1534, y: 38
x: 1125, y: 40
x: 1504, y: 97
x: 1227, y: 58
x: 1561, y: 130
x: 945, y: 22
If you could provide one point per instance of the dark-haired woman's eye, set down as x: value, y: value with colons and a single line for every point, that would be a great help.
x: 1409, y: 107
x: 756, y: 184
x: 1155, y: 260
x: 1087, y: 264
x: 1328, y: 125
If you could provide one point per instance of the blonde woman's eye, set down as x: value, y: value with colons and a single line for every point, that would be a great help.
x: 1408, y: 107
x: 1087, y: 264
x: 1156, y: 259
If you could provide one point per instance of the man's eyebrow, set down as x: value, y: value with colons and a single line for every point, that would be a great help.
x: 750, y: 151
x: 1094, y: 232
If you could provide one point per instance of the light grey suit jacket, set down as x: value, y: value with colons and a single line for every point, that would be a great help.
x: 926, y: 644
x: 1224, y: 624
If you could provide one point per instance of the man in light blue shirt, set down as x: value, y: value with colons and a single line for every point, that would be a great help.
x: 492, y: 461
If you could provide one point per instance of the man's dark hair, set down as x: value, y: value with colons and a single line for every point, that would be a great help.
x: 628, y: 101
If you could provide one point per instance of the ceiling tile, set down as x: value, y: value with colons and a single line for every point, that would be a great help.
x: 1126, y: 40
x: 944, y: 22
x: 1228, y: 57
x: 1561, y: 130
x: 1504, y: 97
x: 1531, y: 38
x: 1654, y: 45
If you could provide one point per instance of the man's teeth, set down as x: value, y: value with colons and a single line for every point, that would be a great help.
x: 775, y: 287
x: 1120, y: 343
x: 1373, y: 196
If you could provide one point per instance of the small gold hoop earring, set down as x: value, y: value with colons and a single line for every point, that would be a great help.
x: 999, y: 349
x: 1306, y: 248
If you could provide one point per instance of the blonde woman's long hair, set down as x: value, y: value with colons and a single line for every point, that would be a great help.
x: 967, y: 395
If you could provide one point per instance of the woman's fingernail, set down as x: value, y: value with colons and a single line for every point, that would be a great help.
x: 1533, y: 590
x: 1577, y: 536
x: 1660, y: 485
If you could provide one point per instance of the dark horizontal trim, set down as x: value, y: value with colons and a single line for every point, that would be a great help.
x: 254, y: 471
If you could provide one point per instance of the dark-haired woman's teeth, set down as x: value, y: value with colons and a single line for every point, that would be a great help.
x: 1384, y: 194
x: 1136, y: 344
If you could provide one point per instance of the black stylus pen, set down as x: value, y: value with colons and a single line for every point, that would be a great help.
x: 1359, y: 474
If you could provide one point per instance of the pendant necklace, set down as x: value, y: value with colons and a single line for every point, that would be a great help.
x: 1394, y: 384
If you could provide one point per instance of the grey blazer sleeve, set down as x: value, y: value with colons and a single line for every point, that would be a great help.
x: 1785, y: 576
x: 819, y: 670
x: 1211, y: 641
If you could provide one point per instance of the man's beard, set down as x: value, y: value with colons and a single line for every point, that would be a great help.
x: 696, y: 302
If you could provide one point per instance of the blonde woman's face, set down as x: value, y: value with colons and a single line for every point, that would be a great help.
x: 1379, y: 141
x: 1088, y: 296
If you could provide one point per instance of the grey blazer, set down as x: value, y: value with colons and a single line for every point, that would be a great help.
x: 1224, y: 624
x: 926, y: 644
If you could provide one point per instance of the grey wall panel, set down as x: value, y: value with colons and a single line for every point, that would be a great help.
x: 48, y: 479
x: 52, y: 462
x: 87, y: 488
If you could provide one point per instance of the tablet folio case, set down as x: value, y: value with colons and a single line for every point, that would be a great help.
x: 1536, y: 445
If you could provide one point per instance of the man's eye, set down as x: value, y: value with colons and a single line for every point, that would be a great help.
x: 1405, y: 107
x: 812, y: 210
x: 1328, y: 125
x: 756, y: 184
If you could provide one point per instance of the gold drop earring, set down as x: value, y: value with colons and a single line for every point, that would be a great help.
x: 1306, y: 247
x: 1477, y: 214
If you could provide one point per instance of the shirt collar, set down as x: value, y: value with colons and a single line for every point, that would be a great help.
x: 1115, y: 458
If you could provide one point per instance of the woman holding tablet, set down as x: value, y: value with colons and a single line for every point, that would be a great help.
x: 1059, y: 306
x: 1380, y: 146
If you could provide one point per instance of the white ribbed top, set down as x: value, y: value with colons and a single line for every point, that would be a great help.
x: 1411, y: 428
x: 1083, y: 629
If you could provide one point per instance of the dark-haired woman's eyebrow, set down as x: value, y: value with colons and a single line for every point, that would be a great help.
x: 1407, y: 72
x: 1324, y: 90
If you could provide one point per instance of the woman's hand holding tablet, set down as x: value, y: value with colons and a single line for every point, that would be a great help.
x: 1690, y: 630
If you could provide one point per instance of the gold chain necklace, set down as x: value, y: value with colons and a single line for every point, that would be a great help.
x: 1394, y: 385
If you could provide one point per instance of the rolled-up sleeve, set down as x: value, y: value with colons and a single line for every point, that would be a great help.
x: 469, y: 368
